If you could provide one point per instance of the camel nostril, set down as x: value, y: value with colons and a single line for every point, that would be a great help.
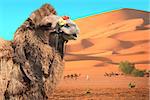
x: 75, y: 35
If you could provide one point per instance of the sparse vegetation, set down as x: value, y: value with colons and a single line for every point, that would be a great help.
x: 126, y: 67
x: 131, y: 85
x: 88, y: 91
x: 129, y: 69
x: 137, y: 73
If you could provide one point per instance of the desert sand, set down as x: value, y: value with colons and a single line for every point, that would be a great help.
x: 105, y: 40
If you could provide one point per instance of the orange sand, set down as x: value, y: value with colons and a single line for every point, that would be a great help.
x: 105, y: 40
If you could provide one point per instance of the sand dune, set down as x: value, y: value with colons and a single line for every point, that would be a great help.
x: 105, y: 40
x: 114, y: 28
x: 102, y: 20
x: 93, y: 45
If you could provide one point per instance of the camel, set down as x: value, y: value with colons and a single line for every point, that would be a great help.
x: 32, y: 64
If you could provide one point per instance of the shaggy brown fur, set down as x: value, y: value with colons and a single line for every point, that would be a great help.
x: 30, y: 66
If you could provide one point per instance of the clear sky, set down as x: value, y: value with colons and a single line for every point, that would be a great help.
x: 14, y: 12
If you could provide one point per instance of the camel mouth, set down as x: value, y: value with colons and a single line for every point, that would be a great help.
x: 70, y: 36
x: 74, y: 36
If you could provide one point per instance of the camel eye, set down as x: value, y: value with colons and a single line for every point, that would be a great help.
x: 67, y: 25
x: 49, y: 25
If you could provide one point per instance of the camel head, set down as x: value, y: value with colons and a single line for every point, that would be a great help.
x: 61, y: 25
x: 60, y: 29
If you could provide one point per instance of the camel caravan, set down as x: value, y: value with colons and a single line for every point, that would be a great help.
x: 112, y: 74
x: 72, y: 76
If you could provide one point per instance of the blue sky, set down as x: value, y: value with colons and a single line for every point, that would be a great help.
x: 14, y: 12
